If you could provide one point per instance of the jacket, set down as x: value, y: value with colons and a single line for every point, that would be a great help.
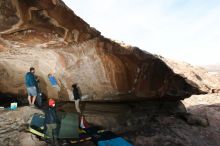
x: 51, y: 116
x: 76, y: 93
x: 30, y: 80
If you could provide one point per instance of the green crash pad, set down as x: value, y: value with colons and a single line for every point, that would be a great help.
x: 69, y: 126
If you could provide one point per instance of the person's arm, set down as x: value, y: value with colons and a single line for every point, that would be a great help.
x: 33, y: 80
x: 37, y: 79
x: 55, y: 116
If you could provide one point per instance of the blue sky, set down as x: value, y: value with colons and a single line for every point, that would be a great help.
x: 186, y: 30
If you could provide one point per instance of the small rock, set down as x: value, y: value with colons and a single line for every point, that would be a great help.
x: 196, y: 120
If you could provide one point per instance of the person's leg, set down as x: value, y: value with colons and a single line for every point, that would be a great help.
x: 77, y: 106
x: 29, y: 100
x: 54, y: 131
x: 29, y: 95
x: 49, y: 132
x: 34, y: 93
x: 33, y: 100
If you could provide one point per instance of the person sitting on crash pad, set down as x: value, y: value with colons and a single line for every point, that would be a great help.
x: 51, y: 121
x: 53, y: 81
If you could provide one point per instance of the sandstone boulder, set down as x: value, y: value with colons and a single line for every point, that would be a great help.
x: 205, y: 80
x: 156, y: 123
x: 49, y: 36
x: 13, y: 125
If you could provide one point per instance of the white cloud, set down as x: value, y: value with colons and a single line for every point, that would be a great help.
x: 184, y: 30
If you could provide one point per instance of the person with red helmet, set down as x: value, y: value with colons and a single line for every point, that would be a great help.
x: 51, y: 103
x: 51, y: 121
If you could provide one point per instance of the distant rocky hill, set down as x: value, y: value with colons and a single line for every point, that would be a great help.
x: 213, y: 68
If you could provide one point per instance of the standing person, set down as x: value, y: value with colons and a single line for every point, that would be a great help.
x: 78, y: 96
x: 51, y: 121
x: 39, y: 94
x: 31, y: 85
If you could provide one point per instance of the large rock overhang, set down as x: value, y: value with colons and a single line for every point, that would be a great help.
x: 48, y: 35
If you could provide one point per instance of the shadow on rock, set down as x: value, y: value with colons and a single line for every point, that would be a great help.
x: 198, y: 127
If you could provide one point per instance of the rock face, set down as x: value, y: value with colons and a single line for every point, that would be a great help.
x: 152, y: 123
x: 156, y: 123
x: 13, y: 125
x: 205, y: 80
x: 48, y: 35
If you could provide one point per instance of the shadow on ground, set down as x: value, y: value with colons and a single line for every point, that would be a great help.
x: 152, y: 123
x: 157, y: 123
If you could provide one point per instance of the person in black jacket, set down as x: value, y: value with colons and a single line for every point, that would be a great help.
x: 39, y: 93
x: 78, y: 96
x: 51, y: 121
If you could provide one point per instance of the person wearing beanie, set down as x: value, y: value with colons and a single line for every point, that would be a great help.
x: 51, y: 121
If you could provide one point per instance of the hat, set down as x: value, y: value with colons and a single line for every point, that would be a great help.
x: 74, y: 85
x: 51, y: 103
